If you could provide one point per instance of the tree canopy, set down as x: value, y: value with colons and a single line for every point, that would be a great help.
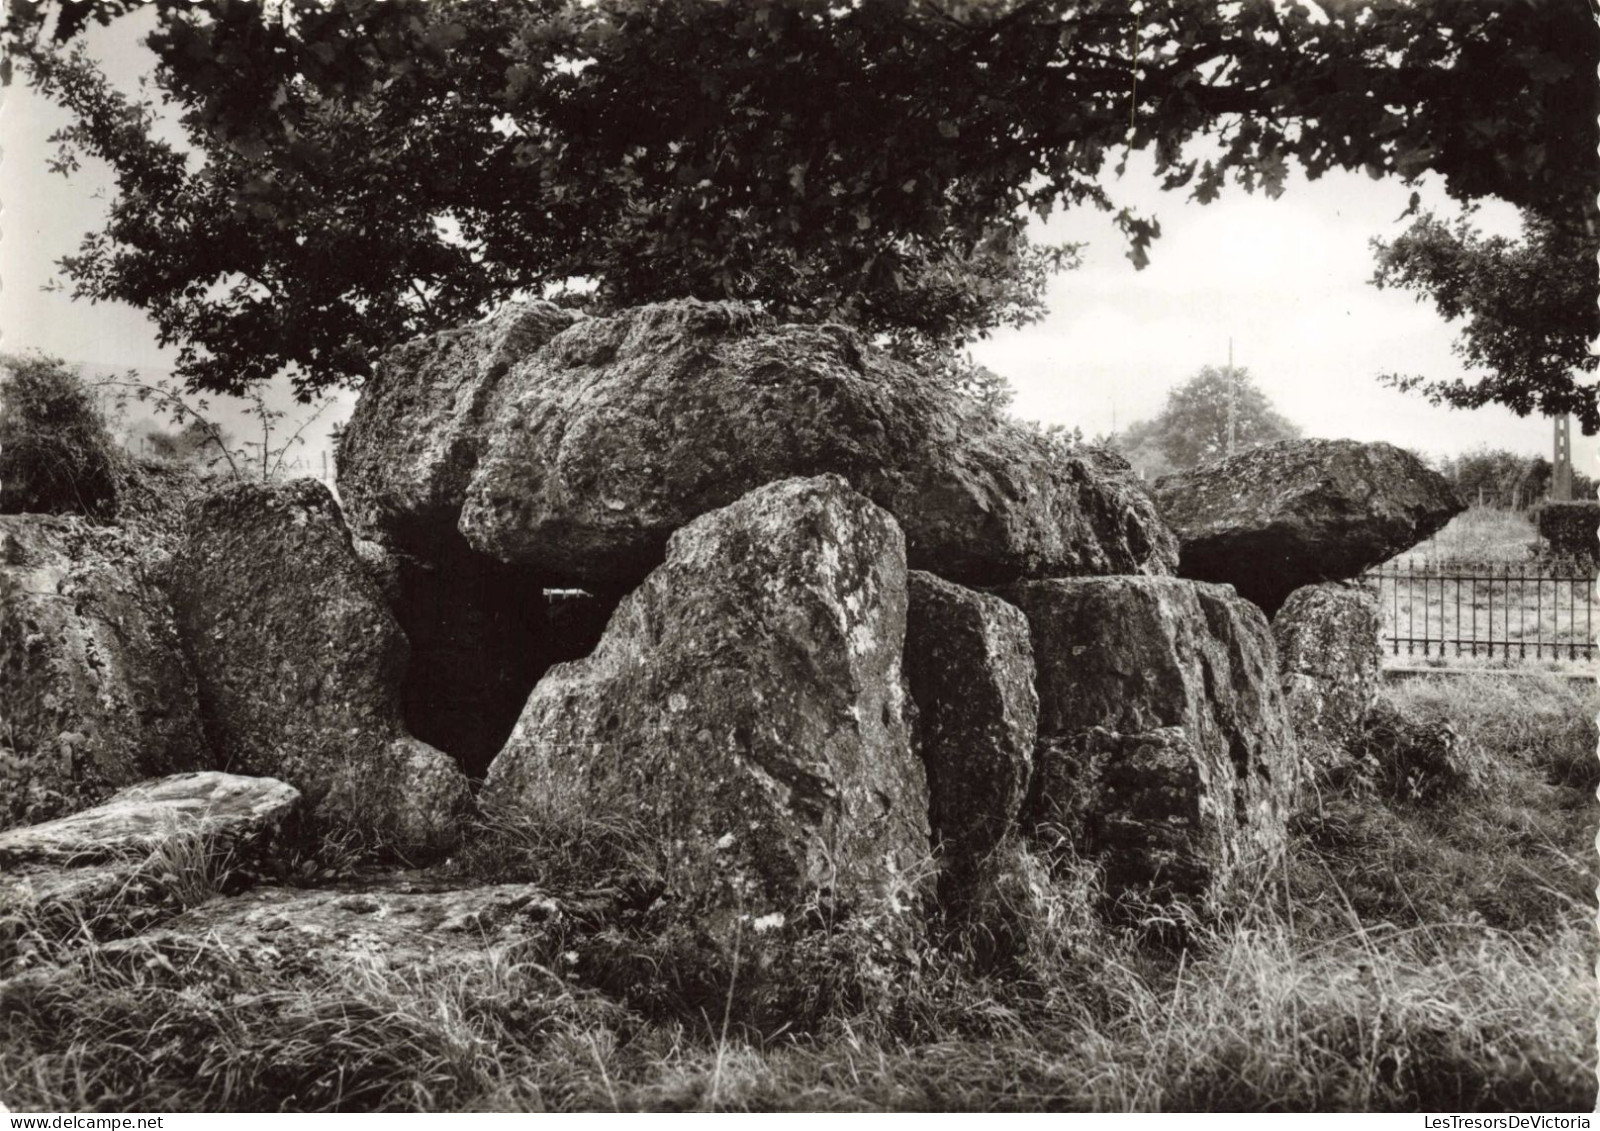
x: 361, y: 171
x: 1509, y: 480
x: 1527, y: 305
x: 1193, y: 426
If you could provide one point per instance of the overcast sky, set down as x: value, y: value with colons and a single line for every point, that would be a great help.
x: 1285, y: 279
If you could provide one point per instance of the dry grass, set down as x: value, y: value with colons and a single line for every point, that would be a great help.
x: 1477, y: 536
x: 1419, y: 957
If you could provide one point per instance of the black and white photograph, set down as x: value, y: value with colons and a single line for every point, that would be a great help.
x: 799, y: 556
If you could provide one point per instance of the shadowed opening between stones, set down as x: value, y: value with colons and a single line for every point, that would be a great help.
x: 481, y: 633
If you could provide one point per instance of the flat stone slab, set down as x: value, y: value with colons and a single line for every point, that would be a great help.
x: 399, y: 923
x: 1297, y: 512
x: 137, y: 819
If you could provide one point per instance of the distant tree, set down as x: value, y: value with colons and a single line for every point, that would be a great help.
x: 1495, y: 477
x: 196, y: 441
x: 1527, y: 310
x: 1140, y: 444
x: 1193, y: 427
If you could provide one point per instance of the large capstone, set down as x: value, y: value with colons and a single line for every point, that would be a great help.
x: 299, y: 664
x: 621, y: 430
x: 1297, y: 512
x: 969, y: 665
x: 95, y: 691
x: 414, y: 439
x: 1165, y: 752
x: 476, y: 625
x: 1329, y: 651
x: 745, y: 711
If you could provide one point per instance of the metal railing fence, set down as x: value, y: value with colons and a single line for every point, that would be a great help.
x: 1513, y: 611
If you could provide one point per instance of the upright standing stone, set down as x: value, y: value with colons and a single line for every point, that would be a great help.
x: 1164, y: 748
x: 969, y: 664
x: 746, y: 709
x: 1329, y: 652
x: 95, y: 691
x: 299, y: 664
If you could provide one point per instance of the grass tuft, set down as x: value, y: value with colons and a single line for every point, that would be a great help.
x: 1418, y: 954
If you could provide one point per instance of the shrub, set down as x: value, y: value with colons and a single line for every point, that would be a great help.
x: 1571, y: 530
x: 1410, y: 757
x: 56, y: 454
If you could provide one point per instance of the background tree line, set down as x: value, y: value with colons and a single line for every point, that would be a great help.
x: 1494, y: 477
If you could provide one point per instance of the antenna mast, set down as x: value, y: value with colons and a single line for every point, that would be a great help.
x: 1561, y: 479
x: 1233, y: 389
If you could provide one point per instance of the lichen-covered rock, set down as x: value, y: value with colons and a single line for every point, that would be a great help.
x: 95, y: 691
x: 1329, y: 651
x: 969, y: 666
x: 621, y: 430
x: 299, y: 664
x: 224, y: 808
x: 430, y: 795
x: 153, y: 498
x: 381, y: 565
x: 1296, y: 512
x: 745, y: 710
x: 1147, y: 806
x: 414, y: 439
x: 394, y: 923
x: 1164, y: 748
x: 121, y: 864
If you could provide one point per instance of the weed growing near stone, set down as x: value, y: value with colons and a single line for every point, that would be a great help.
x: 1429, y: 956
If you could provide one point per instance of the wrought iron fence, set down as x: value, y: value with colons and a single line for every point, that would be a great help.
x: 1511, y: 611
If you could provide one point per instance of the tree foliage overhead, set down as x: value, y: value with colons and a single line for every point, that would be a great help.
x: 1528, y: 309
x: 1192, y: 428
x: 365, y: 170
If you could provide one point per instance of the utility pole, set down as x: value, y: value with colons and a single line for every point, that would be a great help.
x: 1233, y: 389
x: 1561, y: 464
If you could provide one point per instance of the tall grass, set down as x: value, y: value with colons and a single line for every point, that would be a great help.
x: 182, y: 868
x: 1478, y: 535
x: 1432, y: 956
